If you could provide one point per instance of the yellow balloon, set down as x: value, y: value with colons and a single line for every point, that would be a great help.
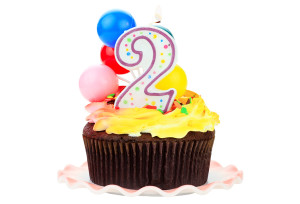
x: 175, y: 79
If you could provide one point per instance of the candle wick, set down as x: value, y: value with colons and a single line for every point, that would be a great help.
x: 158, y: 15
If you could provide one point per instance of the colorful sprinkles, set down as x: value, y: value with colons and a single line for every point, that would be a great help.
x: 160, y: 110
x: 111, y: 96
x: 184, y: 110
x: 187, y: 98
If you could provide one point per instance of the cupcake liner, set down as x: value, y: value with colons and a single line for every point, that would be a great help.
x: 165, y: 164
x: 219, y: 178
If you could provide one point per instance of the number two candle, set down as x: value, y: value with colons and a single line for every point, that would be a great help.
x: 153, y: 50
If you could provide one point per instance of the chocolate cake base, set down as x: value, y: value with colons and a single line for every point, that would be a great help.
x: 135, y: 162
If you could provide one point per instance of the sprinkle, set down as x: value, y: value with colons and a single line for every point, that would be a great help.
x: 125, y: 102
x: 161, y: 53
x: 117, y: 107
x: 154, y: 36
x: 153, y: 103
x: 128, y: 39
x: 133, y: 35
x: 132, y: 104
x: 161, y: 100
x: 149, y: 76
x: 183, y: 100
x: 125, y: 45
x: 149, y: 107
x: 142, y: 83
x: 131, y: 98
x: 146, y: 99
x: 131, y: 57
x: 160, y: 110
x: 166, y: 46
x: 110, y: 95
x: 161, y: 40
x: 127, y: 49
x: 184, y: 110
x: 173, y: 107
x: 177, y: 105
x: 128, y: 53
x: 137, y: 88
x: 163, y: 61
x: 160, y: 106
x: 170, y: 54
x: 149, y: 33
x: 154, y: 72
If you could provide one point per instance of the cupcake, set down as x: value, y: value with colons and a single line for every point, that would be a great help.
x: 152, y: 132
x: 175, y: 151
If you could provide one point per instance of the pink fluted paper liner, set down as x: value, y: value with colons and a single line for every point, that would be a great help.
x: 219, y: 177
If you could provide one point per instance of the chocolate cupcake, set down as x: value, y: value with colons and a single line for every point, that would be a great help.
x: 135, y: 162
x: 166, y: 161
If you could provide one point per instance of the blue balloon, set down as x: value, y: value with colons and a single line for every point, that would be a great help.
x: 113, y: 24
x: 165, y: 29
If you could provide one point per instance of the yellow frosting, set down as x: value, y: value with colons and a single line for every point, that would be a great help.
x: 134, y: 121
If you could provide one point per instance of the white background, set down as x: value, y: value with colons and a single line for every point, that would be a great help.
x: 243, y: 57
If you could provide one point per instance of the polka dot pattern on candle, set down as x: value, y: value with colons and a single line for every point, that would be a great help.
x: 130, y: 48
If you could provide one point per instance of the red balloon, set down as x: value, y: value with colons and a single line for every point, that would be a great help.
x: 107, y: 56
x: 107, y: 52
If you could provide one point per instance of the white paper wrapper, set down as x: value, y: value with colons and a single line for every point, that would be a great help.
x: 219, y: 177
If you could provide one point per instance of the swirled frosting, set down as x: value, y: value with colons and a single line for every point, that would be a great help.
x: 134, y: 121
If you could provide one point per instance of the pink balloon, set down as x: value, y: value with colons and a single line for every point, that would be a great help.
x: 97, y: 82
